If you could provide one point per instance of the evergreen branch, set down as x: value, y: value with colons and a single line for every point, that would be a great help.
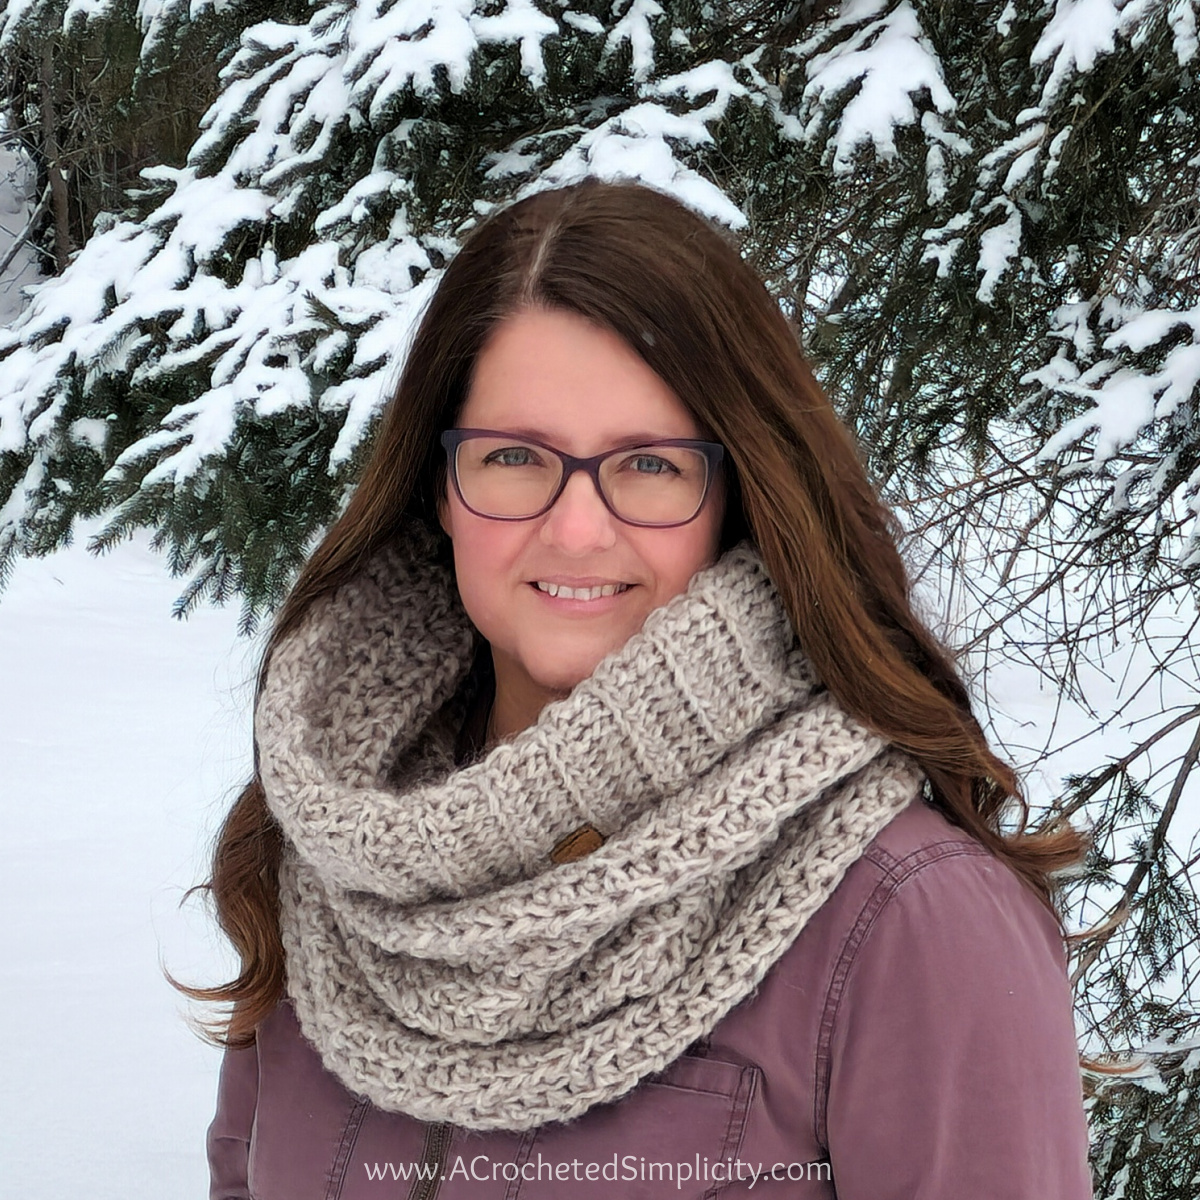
x: 1139, y: 873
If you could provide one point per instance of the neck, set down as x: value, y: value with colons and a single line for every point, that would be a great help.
x: 517, y: 703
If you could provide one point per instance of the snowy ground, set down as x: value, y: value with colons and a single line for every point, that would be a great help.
x: 123, y: 735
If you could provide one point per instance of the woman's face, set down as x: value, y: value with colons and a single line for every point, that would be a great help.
x: 555, y: 376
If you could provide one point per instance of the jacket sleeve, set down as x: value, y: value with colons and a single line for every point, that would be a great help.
x: 953, y: 1063
x: 229, y: 1133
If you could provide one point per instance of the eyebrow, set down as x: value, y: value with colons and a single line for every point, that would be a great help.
x: 632, y: 439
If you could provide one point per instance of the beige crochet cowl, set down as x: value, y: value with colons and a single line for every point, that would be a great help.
x: 439, y: 959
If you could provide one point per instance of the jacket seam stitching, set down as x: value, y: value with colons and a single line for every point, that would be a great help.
x: 896, y: 871
x: 341, y: 1163
x: 739, y: 1114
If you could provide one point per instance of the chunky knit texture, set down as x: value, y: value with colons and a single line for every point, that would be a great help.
x: 440, y: 962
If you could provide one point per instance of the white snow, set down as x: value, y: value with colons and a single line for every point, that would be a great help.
x: 890, y: 60
x: 584, y: 22
x: 714, y: 76
x: 1079, y: 33
x: 520, y: 22
x: 1182, y: 18
x: 998, y: 246
x: 941, y: 140
x: 634, y: 28
x: 124, y: 733
x: 384, y: 57
x: 89, y: 432
x: 634, y: 145
x: 1122, y: 410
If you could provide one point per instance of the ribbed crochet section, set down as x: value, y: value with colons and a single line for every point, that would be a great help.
x: 438, y: 960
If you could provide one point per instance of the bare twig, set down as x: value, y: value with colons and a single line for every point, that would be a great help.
x: 27, y: 232
x: 1139, y: 873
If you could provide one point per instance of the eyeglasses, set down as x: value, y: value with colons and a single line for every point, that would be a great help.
x: 511, y: 478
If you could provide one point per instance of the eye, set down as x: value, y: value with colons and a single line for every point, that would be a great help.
x: 650, y: 464
x: 514, y: 456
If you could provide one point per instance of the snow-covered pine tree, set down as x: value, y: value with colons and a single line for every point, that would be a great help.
x: 96, y: 90
x: 980, y: 214
x: 911, y: 177
x: 262, y: 302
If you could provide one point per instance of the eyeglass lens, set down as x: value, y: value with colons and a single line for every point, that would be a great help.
x: 650, y: 485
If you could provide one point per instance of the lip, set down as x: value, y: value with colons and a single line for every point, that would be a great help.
x: 576, y: 581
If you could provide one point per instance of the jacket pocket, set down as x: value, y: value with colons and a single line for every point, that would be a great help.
x: 678, y: 1133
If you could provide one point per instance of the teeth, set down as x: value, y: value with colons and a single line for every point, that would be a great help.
x: 592, y: 593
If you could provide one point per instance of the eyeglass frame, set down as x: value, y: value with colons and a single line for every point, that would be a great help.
x: 713, y: 453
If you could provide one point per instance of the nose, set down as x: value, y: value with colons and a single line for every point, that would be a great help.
x: 579, y: 522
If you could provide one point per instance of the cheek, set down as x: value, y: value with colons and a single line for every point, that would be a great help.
x: 484, y: 554
x: 676, y: 555
x: 703, y: 543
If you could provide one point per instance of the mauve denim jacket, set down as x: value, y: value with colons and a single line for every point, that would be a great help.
x: 916, y: 1042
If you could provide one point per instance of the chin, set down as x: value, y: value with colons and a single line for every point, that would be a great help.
x: 562, y: 672
x: 563, y: 678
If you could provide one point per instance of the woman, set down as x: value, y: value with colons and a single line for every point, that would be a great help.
x: 618, y: 829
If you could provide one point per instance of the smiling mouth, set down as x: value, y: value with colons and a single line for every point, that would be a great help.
x: 583, y: 593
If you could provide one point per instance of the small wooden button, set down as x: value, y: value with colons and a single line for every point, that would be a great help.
x: 576, y: 844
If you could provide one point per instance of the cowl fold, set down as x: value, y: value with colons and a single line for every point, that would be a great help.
x: 439, y: 959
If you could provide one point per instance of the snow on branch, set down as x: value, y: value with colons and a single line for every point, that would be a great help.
x: 1079, y: 33
x: 1139, y: 390
x: 875, y: 61
x: 1018, y: 178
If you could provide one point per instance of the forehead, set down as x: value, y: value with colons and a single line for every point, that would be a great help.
x: 555, y: 375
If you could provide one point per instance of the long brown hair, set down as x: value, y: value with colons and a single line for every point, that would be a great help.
x: 678, y: 291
